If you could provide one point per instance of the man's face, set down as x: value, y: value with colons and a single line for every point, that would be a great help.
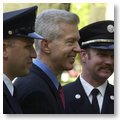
x: 64, y: 49
x: 99, y: 63
x: 19, y: 56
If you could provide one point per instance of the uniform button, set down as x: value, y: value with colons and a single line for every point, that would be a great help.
x: 112, y: 97
x: 77, y: 96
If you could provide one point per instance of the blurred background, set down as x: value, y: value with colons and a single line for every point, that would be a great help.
x: 87, y: 12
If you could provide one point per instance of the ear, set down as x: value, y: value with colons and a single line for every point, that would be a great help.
x: 83, y: 55
x: 45, y: 46
x: 5, y: 52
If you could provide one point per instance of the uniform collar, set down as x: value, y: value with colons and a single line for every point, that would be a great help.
x: 9, y: 84
x: 88, y: 88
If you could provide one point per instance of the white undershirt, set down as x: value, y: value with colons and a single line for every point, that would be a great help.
x: 88, y: 88
x: 8, y: 83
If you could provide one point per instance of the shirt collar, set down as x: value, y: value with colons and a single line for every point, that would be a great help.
x: 102, y: 88
x: 88, y: 88
x: 8, y: 83
x: 47, y: 70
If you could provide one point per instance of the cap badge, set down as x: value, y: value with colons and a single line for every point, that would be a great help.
x: 10, y: 32
x: 77, y: 96
x: 110, y: 28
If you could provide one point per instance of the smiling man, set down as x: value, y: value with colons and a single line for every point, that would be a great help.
x: 91, y: 93
x: 55, y: 53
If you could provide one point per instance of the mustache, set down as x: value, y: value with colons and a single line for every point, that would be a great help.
x: 109, y: 67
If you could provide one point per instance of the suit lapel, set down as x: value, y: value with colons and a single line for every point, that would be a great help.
x: 12, y: 103
x: 108, y: 102
x: 80, y: 99
x: 49, y: 83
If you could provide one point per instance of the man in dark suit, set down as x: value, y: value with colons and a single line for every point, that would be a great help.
x: 18, y: 51
x: 97, y: 60
x: 39, y: 91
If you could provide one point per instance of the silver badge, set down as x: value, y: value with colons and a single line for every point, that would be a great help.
x: 110, y: 28
x: 77, y: 96
x: 10, y: 32
x: 112, y: 97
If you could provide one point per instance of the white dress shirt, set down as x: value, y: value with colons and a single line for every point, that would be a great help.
x: 88, y: 88
x: 8, y: 83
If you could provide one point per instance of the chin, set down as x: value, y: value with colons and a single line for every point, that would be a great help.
x: 69, y: 68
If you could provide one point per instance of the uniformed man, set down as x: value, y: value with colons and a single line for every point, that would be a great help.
x: 18, y: 51
x: 91, y: 93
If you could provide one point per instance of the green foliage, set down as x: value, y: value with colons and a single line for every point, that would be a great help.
x: 88, y: 12
x: 41, y: 6
x: 82, y: 10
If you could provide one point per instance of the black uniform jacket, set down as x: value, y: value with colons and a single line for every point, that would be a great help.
x: 37, y: 93
x: 81, y: 104
x: 10, y: 104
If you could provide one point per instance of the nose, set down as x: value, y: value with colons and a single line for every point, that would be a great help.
x: 33, y: 53
x: 77, y: 48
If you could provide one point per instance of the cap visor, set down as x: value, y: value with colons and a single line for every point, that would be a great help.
x: 35, y: 35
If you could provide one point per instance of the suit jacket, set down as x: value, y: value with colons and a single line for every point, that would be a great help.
x: 37, y: 93
x: 10, y: 104
x: 80, y: 104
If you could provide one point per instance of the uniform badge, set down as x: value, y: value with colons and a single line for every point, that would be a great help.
x: 110, y: 28
x: 10, y: 32
x: 112, y: 97
x: 77, y: 96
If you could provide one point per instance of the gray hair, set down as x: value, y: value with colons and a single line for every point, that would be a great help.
x: 47, y: 23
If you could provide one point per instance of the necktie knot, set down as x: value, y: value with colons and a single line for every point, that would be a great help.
x: 95, y: 92
x: 60, y: 88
